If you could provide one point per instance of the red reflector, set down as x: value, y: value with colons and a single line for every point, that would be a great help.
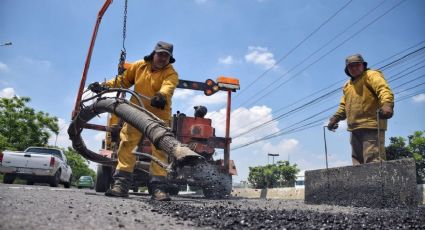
x: 52, y: 161
x: 1, y: 157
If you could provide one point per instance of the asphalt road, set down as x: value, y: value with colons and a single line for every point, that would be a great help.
x: 43, y: 207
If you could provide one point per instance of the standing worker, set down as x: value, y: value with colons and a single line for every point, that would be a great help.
x: 156, y: 78
x: 364, y: 94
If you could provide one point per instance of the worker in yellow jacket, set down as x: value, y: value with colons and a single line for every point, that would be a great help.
x: 365, y: 94
x: 156, y: 78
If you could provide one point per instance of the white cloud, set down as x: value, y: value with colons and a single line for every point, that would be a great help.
x: 214, y: 99
x: 183, y: 94
x: 7, y: 93
x: 62, y: 139
x: 284, y: 147
x: 419, y: 98
x: 226, y: 60
x: 3, y: 67
x: 260, y: 56
x: 36, y: 63
x: 243, y: 119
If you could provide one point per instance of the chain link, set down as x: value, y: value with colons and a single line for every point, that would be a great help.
x: 124, y: 28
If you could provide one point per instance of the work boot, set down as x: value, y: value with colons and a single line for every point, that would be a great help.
x: 160, y: 195
x: 160, y: 191
x: 122, y: 182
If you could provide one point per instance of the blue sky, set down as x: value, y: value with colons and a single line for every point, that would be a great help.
x: 261, y: 42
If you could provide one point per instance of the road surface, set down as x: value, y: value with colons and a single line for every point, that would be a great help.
x: 43, y: 207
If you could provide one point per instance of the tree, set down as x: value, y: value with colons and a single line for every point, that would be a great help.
x: 78, y: 164
x: 415, y: 149
x: 22, y: 126
x: 281, y: 174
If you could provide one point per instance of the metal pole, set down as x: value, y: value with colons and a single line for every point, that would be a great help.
x: 379, y: 134
x: 326, y: 148
x: 88, y: 57
x: 227, y: 147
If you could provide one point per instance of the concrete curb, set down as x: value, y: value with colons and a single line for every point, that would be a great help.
x: 294, y: 193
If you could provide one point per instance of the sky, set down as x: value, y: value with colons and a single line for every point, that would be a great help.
x: 284, y: 53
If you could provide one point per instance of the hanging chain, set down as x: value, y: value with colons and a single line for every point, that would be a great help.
x: 123, y: 55
x: 124, y: 28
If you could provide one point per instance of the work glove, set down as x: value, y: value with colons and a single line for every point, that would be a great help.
x: 158, y: 101
x: 333, y: 123
x: 386, y: 111
x: 95, y: 87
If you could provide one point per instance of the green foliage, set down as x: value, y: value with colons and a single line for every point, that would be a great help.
x: 78, y: 164
x: 281, y: 174
x: 22, y: 126
x: 414, y: 149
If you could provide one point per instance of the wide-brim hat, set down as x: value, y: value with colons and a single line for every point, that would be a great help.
x: 355, y: 58
x: 165, y: 47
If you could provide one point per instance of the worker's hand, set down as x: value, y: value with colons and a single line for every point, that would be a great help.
x: 333, y: 123
x: 95, y: 87
x: 158, y: 101
x: 386, y: 111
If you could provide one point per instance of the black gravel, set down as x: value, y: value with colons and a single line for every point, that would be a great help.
x: 230, y: 215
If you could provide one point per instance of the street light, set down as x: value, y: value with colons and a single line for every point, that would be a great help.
x: 272, y: 155
x: 6, y: 44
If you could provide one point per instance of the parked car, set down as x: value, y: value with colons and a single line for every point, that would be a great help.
x: 36, y: 164
x: 85, y: 182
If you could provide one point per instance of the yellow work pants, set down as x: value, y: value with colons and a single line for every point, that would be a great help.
x: 130, y: 137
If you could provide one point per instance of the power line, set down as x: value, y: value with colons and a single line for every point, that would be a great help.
x: 297, y: 46
x: 318, y: 99
x: 330, y: 51
x: 317, y: 122
x: 283, y: 115
x: 289, y: 112
x: 327, y: 43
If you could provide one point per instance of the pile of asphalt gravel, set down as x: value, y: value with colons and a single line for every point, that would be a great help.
x: 229, y: 215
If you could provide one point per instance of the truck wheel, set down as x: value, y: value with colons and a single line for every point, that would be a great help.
x: 103, y: 178
x: 54, y: 181
x: 8, y: 178
x: 68, y: 184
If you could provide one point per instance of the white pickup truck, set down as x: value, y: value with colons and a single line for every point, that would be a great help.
x: 36, y: 164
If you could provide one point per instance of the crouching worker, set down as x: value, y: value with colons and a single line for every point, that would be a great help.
x: 155, y: 78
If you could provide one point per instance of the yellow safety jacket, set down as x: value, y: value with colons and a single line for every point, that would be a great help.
x: 363, y: 96
x: 148, y: 83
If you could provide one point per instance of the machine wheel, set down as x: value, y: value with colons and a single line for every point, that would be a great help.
x: 8, y: 178
x: 103, y: 178
x: 54, y: 181
x: 68, y: 184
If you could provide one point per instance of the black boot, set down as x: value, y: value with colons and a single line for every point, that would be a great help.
x: 160, y: 192
x: 158, y: 186
x: 122, y: 182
